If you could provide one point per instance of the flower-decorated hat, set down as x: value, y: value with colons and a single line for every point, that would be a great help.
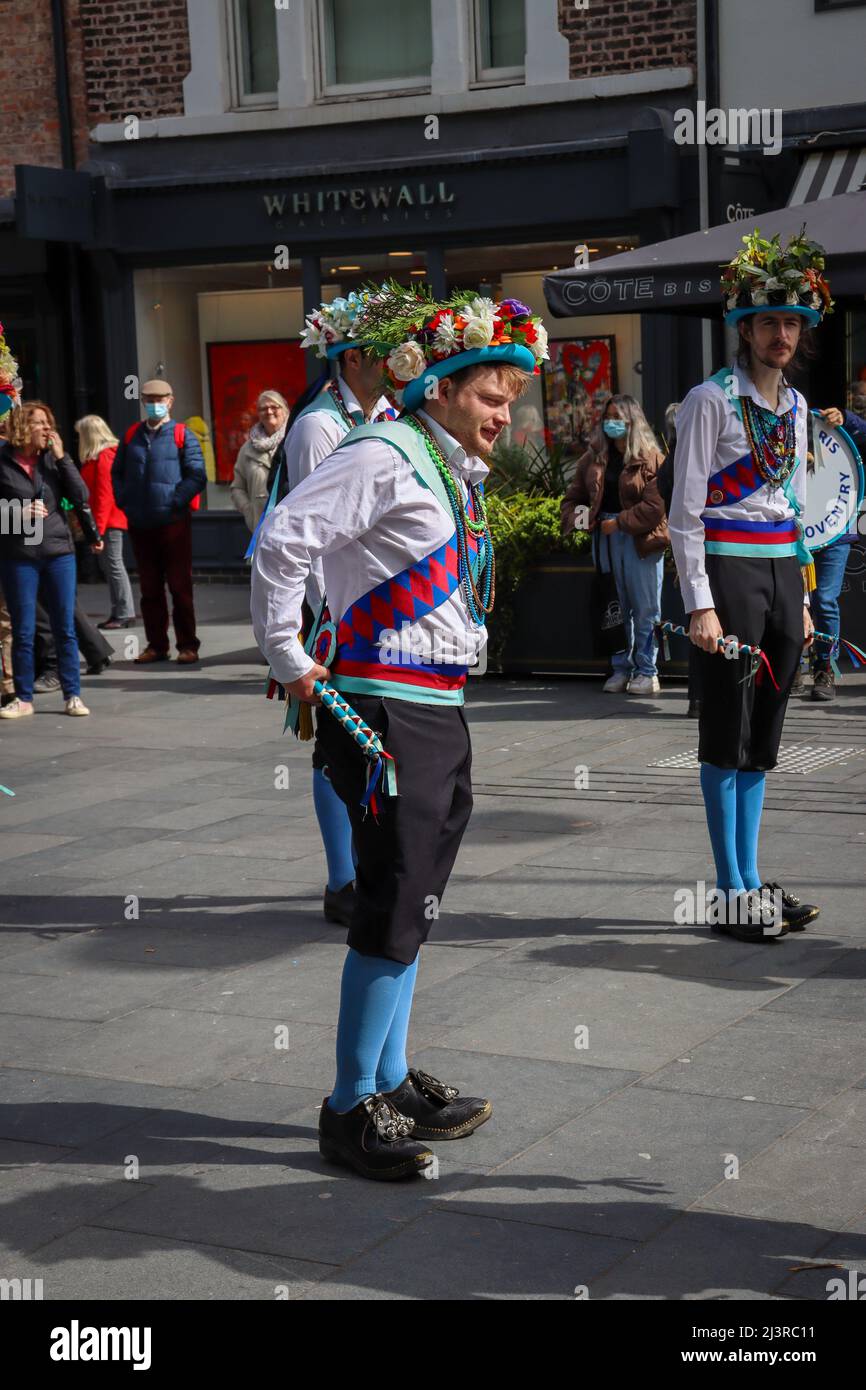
x: 766, y: 276
x: 329, y: 329
x: 420, y: 337
x: 10, y: 381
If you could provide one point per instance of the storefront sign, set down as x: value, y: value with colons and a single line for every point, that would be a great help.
x: 382, y: 201
x: 595, y: 293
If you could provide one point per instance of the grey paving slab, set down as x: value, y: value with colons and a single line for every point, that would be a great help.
x: 807, y: 1176
x: 88, y: 997
x: 77, y: 1112
x: 288, y: 1203
x: 162, y: 1046
x: 629, y: 1019
x: 704, y: 1256
x: 787, y: 1058
x: 836, y: 992
x: 81, y: 1265
x: 500, y: 1260
x: 624, y: 1166
x: 38, y: 1205
x: 530, y: 1098
x: 23, y: 1038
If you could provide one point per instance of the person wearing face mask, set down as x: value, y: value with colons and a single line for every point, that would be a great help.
x: 157, y: 475
x: 617, y: 479
x: 249, y: 489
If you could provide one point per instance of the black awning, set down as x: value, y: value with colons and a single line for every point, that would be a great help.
x: 681, y: 276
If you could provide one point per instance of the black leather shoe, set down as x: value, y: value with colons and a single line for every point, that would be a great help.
x: 795, y: 914
x: 694, y: 709
x: 339, y: 904
x: 435, y: 1108
x: 99, y: 666
x: 799, y: 686
x: 746, y: 918
x: 373, y: 1138
x: 824, y: 686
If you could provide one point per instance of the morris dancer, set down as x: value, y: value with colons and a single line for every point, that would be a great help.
x: 737, y: 541
x: 352, y: 397
x: 397, y: 515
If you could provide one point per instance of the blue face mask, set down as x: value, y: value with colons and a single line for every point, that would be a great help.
x: 616, y: 429
x: 155, y: 410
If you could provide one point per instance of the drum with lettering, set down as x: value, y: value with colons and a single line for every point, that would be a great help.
x: 834, y: 484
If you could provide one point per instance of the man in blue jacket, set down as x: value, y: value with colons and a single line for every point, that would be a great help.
x: 157, y: 475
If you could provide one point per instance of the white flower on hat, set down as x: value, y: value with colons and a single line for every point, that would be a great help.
x: 759, y: 295
x: 478, y: 332
x: 445, y: 337
x: 407, y: 361
x: 312, y: 334
x: 539, y: 347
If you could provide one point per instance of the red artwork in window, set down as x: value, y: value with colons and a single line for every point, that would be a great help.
x: 238, y: 373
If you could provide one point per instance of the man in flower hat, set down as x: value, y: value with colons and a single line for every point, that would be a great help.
x: 738, y: 543
x: 351, y: 397
x: 397, y: 516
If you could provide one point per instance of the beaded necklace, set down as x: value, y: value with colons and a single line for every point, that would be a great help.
x: 336, y: 394
x: 772, y: 441
x: 478, y: 604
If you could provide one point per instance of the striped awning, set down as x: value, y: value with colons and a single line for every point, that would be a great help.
x: 827, y: 173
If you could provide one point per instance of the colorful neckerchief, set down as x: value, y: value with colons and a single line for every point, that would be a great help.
x: 772, y: 441
x: 472, y: 519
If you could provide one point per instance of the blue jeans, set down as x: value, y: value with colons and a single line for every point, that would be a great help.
x: 639, y: 585
x: 830, y: 572
x: 20, y: 580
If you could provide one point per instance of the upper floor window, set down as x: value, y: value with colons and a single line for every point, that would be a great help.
x: 374, y: 45
x: 500, y: 39
x: 253, y: 48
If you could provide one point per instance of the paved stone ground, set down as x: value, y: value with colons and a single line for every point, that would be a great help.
x: 152, y: 1041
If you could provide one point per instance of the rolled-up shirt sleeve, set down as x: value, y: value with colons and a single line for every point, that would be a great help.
x: 331, y: 507
x: 699, y: 422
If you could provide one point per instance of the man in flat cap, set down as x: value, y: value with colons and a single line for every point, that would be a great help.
x: 157, y: 475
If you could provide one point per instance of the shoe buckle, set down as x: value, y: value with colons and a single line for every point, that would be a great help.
x: 432, y: 1088
x: 390, y: 1124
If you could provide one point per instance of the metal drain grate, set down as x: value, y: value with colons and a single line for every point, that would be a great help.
x: 793, y: 757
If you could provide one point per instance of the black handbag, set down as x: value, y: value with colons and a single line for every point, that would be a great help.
x: 608, y: 629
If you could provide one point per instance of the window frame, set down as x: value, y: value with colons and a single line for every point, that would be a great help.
x: 352, y: 91
x: 241, y: 101
x: 492, y: 77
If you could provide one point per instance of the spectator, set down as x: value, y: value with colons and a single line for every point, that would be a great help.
x: 7, y: 684
x: 616, y: 477
x: 157, y: 475
x: 249, y: 487
x: 96, y: 449
x: 831, y: 561
x: 36, y: 473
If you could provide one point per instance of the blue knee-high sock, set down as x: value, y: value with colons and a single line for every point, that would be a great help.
x: 336, y: 831
x: 392, y: 1064
x: 750, y: 804
x: 719, y: 786
x: 369, y: 996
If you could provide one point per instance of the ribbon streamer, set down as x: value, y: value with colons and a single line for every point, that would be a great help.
x: 757, y: 665
x: 6, y: 790
x: 857, y: 656
x: 381, y: 770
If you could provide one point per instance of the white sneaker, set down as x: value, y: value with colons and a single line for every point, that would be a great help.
x: 615, y: 684
x: 16, y: 709
x: 644, y: 685
x: 75, y: 705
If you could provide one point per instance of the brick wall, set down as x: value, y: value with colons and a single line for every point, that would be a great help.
x: 136, y: 55
x: 124, y: 57
x: 628, y: 35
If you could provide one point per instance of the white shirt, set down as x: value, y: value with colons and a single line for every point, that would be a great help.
x: 310, y: 440
x: 364, y: 512
x: 710, y: 435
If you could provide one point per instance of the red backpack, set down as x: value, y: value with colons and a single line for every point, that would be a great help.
x: 179, y: 439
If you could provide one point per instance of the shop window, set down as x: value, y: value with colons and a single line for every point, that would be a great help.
x: 500, y: 39
x: 374, y: 45
x: 253, y: 47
